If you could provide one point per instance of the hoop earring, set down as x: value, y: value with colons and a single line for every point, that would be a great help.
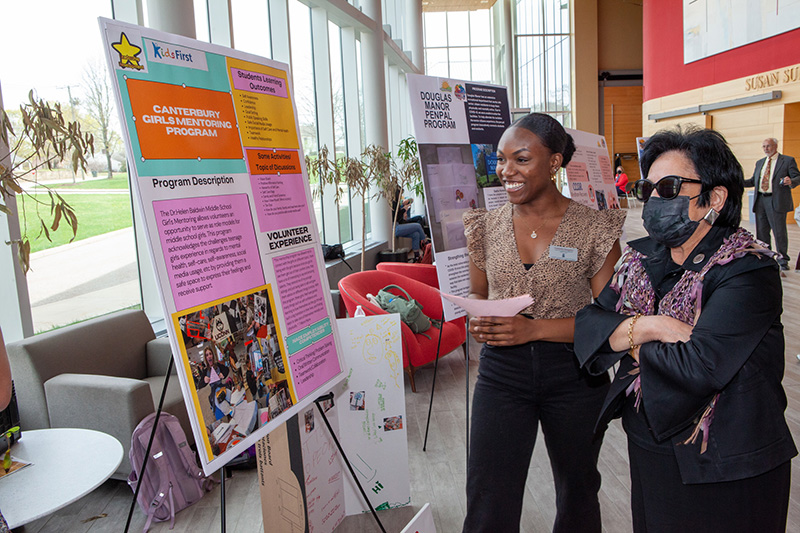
x: 711, y: 216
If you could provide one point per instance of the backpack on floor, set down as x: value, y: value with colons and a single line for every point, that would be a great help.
x: 409, y: 310
x: 172, y: 480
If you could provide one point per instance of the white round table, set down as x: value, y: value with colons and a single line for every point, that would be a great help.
x: 66, y: 465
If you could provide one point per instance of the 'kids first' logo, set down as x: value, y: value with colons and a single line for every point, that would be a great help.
x: 177, y: 56
x: 128, y: 53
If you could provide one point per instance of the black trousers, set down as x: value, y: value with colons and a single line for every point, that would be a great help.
x: 768, y: 219
x: 660, y: 502
x: 518, y: 388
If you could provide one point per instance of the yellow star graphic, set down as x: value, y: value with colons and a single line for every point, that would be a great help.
x: 127, y: 53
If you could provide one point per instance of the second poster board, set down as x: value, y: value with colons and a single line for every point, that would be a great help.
x: 305, y: 484
x: 457, y: 125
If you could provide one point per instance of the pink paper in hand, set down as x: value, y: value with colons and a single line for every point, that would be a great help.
x: 505, y: 307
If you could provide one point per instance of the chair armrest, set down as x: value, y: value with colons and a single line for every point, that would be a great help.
x: 158, y: 352
x: 104, y: 403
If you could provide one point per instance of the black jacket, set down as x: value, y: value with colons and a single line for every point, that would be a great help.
x: 736, y: 349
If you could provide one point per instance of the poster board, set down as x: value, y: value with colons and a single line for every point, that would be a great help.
x: 589, y: 174
x: 371, y: 411
x: 305, y: 484
x: 457, y: 125
x: 217, y: 165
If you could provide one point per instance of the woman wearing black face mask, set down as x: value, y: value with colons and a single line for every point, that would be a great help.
x: 693, y: 317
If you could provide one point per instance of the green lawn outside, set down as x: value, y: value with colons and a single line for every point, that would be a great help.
x: 97, y: 214
x: 119, y: 181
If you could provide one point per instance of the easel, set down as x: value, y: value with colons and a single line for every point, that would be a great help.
x: 329, y: 397
x: 223, y: 473
x: 433, y: 385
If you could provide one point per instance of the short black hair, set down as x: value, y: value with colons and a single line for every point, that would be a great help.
x: 712, y: 159
x: 550, y: 132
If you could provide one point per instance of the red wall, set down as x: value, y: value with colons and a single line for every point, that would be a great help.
x: 665, y: 73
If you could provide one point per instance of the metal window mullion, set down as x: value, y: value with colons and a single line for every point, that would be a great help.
x: 320, y: 52
x: 351, y: 114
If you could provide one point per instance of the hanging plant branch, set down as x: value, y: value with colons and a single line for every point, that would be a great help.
x: 44, y: 140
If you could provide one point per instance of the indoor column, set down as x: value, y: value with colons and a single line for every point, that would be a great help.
x: 413, y: 36
x: 377, y: 131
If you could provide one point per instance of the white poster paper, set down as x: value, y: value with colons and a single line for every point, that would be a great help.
x: 422, y: 521
x: 371, y: 410
x: 589, y: 174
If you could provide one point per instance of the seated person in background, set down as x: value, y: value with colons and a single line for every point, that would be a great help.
x: 404, y: 212
x: 621, y: 180
x: 411, y: 227
x: 415, y: 233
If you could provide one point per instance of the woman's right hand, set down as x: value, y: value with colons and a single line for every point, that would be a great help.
x: 649, y: 328
x: 668, y: 329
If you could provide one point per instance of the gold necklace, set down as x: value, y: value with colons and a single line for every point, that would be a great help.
x: 534, y: 235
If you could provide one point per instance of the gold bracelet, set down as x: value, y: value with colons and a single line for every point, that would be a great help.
x: 630, y: 332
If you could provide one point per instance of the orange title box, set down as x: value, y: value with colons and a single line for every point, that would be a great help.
x: 273, y: 161
x: 175, y: 122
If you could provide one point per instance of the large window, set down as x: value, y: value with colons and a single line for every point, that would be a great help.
x: 542, y: 44
x: 251, y: 26
x: 321, y: 40
x: 303, y: 85
x: 452, y: 52
x: 97, y: 272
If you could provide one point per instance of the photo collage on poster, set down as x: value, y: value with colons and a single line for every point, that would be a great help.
x: 237, y: 365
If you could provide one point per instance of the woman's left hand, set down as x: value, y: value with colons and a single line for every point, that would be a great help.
x: 502, y: 331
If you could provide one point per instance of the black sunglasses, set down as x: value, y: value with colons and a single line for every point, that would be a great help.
x: 668, y: 187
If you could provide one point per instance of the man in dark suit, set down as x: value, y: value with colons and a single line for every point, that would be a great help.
x: 773, y: 179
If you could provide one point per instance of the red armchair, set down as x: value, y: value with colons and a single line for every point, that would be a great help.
x: 418, y: 350
x: 424, y: 272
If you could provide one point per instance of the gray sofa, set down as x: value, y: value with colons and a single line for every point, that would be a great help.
x: 105, y: 374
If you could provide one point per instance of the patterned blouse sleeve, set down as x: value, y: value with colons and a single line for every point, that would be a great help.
x: 475, y: 230
x: 606, y: 229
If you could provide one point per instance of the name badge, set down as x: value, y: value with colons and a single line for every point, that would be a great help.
x: 563, y: 253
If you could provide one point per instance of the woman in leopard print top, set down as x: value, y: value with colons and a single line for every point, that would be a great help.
x: 561, y: 253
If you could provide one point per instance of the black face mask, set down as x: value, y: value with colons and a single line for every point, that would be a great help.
x: 667, y: 221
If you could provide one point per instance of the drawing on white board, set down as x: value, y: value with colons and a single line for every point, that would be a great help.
x: 373, y: 348
x: 393, y: 423
x: 394, y: 364
x: 309, y: 418
x: 357, y: 400
x: 376, y: 345
x: 366, y: 471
